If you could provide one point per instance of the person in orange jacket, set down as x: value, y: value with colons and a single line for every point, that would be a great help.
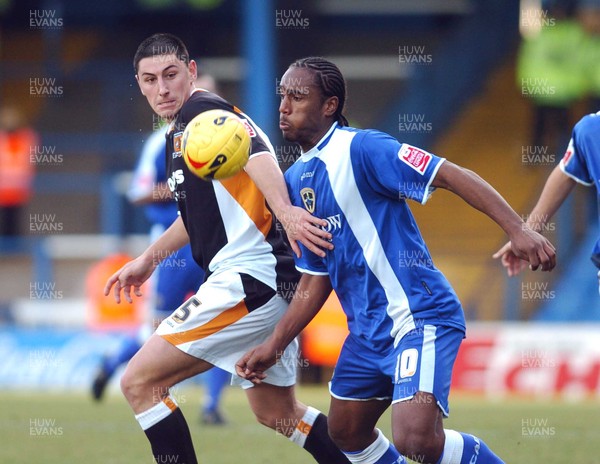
x: 17, y: 170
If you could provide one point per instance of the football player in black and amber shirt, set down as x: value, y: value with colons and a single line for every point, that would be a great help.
x: 249, y: 272
x: 228, y: 221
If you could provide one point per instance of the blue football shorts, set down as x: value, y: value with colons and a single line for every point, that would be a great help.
x: 422, y: 361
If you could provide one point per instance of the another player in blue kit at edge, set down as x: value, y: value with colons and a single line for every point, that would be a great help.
x: 406, y: 323
x: 579, y: 165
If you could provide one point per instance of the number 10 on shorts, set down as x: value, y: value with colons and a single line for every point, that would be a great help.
x: 407, y: 363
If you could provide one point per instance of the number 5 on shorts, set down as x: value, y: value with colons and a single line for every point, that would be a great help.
x: 183, y: 312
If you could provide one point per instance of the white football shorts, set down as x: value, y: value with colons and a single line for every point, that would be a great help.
x: 230, y: 314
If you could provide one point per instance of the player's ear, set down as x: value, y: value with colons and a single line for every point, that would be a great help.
x: 137, y: 79
x: 193, y: 70
x: 330, y: 106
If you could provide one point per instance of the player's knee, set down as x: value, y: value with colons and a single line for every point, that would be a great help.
x: 129, y: 387
x: 277, y: 409
x: 284, y: 421
x: 266, y: 419
x: 420, y: 447
x: 342, y: 436
x: 135, y: 388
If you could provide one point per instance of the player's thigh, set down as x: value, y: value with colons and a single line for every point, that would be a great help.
x: 423, y: 360
x: 352, y: 423
x: 361, y: 391
x: 420, y: 416
x: 159, y: 363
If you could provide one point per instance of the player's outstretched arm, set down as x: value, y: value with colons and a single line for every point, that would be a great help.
x: 136, y: 272
x: 299, y: 224
x: 526, y: 243
x: 310, y: 295
x: 556, y: 190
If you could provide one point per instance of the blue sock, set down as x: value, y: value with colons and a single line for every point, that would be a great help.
x: 128, y: 348
x: 462, y: 448
x: 216, y: 380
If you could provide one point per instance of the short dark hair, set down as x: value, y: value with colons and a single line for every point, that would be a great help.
x: 161, y: 44
x: 329, y: 79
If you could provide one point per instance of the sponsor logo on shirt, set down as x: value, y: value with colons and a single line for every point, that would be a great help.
x: 249, y: 128
x: 308, y: 198
x: 333, y: 223
x: 414, y: 157
x: 306, y: 175
x: 177, y: 178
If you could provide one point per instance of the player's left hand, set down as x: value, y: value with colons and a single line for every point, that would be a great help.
x: 254, y: 363
x: 301, y: 226
x: 535, y: 248
x: 509, y: 260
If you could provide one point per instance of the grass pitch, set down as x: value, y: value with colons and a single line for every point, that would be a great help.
x: 69, y: 428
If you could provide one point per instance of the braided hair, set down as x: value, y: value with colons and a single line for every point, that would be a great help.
x: 330, y: 81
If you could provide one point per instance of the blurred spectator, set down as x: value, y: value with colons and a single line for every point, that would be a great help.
x: 588, y: 13
x: 205, y: 81
x: 16, y: 168
x: 550, y: 73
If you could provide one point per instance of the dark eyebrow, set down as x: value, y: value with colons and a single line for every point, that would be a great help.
x: 292, y: 90
x: 164, y: 70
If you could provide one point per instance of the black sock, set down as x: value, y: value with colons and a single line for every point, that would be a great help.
x: 171, y: 440
x: 319, y: 444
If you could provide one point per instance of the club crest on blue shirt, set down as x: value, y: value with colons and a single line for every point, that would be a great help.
x: 308, y: 198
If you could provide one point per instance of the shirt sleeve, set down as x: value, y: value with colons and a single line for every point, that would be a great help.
x: 398, y: 170
x: 260, y: 142
x: 574, y: 163
x: 309, y: 263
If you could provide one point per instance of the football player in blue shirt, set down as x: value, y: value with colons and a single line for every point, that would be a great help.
x: 406, y: 323
x: 579, y: 165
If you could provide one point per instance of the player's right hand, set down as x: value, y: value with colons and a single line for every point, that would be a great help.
x: 301, y: 226
x: 133, y: 274
x: 254, y: 363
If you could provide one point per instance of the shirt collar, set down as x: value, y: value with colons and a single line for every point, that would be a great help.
x: 320, y: 145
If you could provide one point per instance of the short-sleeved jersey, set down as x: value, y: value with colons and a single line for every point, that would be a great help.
x: 228, y: 221
x: 581, y: 161
x: 151, y: 170
x: 380, y: 268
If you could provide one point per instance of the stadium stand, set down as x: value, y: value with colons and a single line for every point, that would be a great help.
x: 106, y: 129
x: 486, y: 137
